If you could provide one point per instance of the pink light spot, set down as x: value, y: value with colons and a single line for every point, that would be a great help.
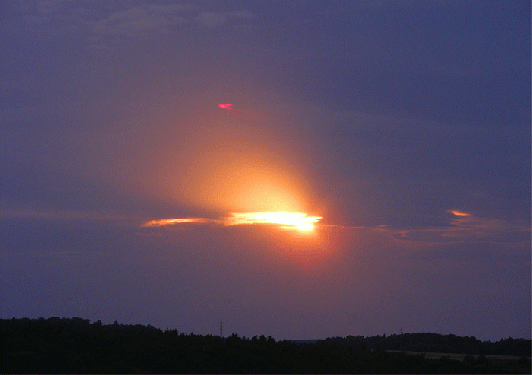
x: 226, y: 106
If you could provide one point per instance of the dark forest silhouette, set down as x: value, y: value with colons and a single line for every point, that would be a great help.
x: 61, y: 345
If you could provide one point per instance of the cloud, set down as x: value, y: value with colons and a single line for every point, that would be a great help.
x: 463, y: 228
x: 51, y: 17
x: 165, y: 222
x: 286, y: 220
x: 122, y: 20
x: 458, y: 213
x: 51, y: 214
x: 215, y: 19
x: 142, y: 20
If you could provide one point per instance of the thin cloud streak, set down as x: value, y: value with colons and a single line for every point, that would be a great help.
x: 463, y: 228
x: 215, y: 19
x: 291, y: 220
x: 121, y: 21
x: 458, y: 213
x: 29, y: 213
x: 166, y: 222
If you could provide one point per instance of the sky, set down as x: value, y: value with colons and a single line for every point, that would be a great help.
x: 372, y: 175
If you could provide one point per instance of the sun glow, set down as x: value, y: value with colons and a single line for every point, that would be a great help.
x: 286, y: 220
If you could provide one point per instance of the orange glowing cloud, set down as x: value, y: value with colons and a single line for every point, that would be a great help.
x: 459, y: 213
x: 285, y: 220
x: 165, y: 222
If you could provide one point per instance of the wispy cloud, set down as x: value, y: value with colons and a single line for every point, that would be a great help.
x: 286, y: 220
x: 119, y: 21
x: 53, y: 214
x: 460, y: 227
x: 155, y: 223
x: 142, y: 20
x: 215, y: 19
x: 463, y: 227
x: 459, y: 213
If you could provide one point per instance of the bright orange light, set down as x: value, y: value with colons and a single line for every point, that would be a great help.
x: 305, y: 226
x: 288, y: 220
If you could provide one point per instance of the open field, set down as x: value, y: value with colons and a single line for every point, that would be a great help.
x: 459, y: 357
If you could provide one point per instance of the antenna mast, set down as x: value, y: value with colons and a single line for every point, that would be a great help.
x: 221, y: 328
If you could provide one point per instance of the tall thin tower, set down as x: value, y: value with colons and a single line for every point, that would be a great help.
x: 221, y: 328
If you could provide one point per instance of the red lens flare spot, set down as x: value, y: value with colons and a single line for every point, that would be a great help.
x: 226, y: 106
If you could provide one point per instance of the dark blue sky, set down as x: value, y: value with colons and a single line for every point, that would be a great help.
x: 404, y: 124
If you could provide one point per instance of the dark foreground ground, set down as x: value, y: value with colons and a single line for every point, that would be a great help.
x: 77, y: 346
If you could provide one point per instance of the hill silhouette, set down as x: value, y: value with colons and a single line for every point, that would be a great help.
x: 75, y: 345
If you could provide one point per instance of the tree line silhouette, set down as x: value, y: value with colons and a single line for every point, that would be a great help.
x: 75, y: 345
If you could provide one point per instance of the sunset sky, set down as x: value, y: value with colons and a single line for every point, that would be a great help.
x: 372, y: 174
